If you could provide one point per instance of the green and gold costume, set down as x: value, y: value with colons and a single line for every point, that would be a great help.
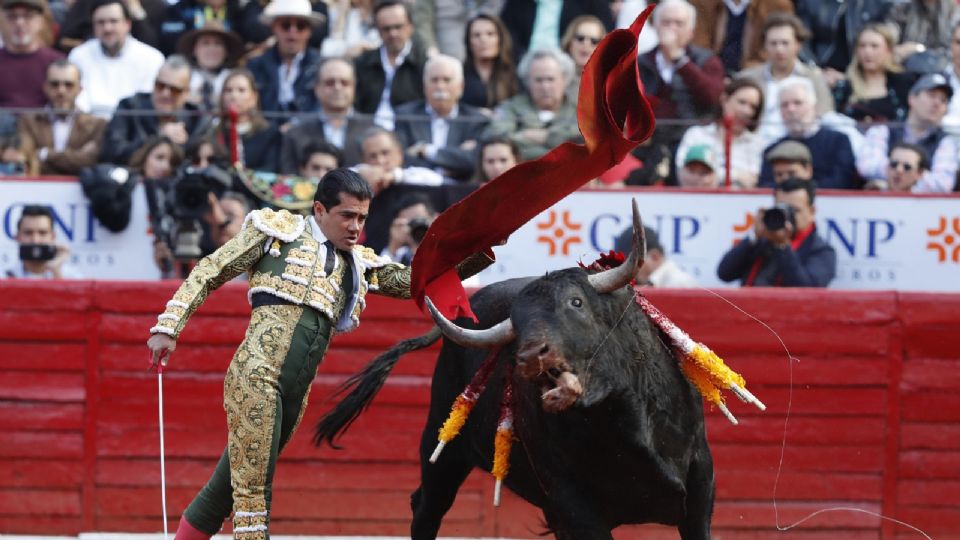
x: 312, y: 291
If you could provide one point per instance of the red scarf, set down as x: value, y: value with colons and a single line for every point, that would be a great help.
x: 614, y: 116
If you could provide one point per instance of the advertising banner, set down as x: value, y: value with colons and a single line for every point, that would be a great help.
x: 95, y: 252
x: 882, y: 242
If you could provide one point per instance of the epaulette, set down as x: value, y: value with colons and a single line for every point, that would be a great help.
x: 369, y: 257
x: 281, y: 225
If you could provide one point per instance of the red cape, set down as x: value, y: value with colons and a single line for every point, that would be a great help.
x: 614, y: 116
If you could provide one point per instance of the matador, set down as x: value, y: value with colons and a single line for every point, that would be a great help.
x: 308, y: 278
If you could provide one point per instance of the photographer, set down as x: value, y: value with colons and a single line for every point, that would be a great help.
x: 414, y: 214
x: 784, y: 249
x: 40, y: 255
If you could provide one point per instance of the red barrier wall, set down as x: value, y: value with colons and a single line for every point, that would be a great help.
x: 872, y: 395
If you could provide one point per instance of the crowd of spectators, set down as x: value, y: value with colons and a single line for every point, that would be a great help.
x: 852, y: 94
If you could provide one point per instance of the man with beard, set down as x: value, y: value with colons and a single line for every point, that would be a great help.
x: 23, y: 56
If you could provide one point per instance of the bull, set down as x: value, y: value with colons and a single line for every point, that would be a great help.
x: 608, y: 429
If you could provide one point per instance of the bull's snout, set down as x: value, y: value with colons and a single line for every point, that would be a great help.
x: 538, y: 361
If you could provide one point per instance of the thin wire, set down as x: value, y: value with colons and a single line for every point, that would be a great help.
x: 163, y: 470
x: 783, y: 445
x: 589, y: 370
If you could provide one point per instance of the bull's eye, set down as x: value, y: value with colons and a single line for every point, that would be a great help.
x: 576, y: 302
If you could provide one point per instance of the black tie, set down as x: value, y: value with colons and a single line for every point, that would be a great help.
x: 331, y: 258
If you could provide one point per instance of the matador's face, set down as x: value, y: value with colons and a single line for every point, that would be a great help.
x: 343, y: 223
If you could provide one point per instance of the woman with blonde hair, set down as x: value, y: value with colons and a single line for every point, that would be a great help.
x: 258, y: 141
x: 579, y: 41
x: 875, y: 88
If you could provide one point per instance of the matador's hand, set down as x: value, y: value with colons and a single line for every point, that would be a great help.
x: 161, y: 347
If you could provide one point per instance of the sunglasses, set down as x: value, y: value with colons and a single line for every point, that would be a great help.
x: 580, y: 38
x: 54, y: 83
x: 300, y: 25
x: 907, y: 167
x: 160, y: 86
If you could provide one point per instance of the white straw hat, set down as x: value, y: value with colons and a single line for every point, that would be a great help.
x: 300, y: 9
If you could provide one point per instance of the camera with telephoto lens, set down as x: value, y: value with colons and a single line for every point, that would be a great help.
x: 777, y: 217
x: 37, y: 252
x: 418, y: 228
x: 189, y: 203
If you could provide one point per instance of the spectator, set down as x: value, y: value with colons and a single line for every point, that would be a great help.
x: 113, y: 65
x: 490, y: 74
x: 541, y: 118
x: 13, y: 158
x: 698, y: 170
x: 783, y: 36
x: 784, y: 249
x: 579, y: 41
x: 537, y: 25
x: 383, y: 163
x: 733, y: 29
x: 834, y: 165
x: 204, y: 151
x: 164, y: 111
x: 63, y: 139
x: 924, y: 25
x: 657, y: 270
x: 497, y: 155
x: 41, y: 257
x: 952, y: 120
x: 834, y: 26
x: 155, y: 164
x: 257, y: 31
x: 319, y: 158
x: 286, y: 71
x: 78, y: 24
x: 227, y: 215
x: 875, y: 88
x: 334, y: 122
x: 212, y: 51
x: 907, y: 164
x: 790, y: 159
x: 441, y: 24
x: 928, y: 101
x: 740, y: 107
x: 437, y: 132
x: 413, y: 215
x: 682, y: 80
x: 188, y: 16
x: 657, y: 165
x: 352, y: 31
x: 23, y: 56
x: 258, y: 144
x: 392, y: 74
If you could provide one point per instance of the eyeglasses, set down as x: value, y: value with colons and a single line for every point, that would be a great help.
x: 54, y: 83
x: 160, y: 86
x: 299, y: 24
x: 907, y: 167
x: 580, y: 38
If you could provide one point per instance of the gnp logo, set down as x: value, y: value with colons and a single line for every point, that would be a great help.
x: 559, y: 232
x: 945, y: 240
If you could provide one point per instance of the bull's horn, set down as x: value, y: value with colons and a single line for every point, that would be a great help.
x: 613, y: 279
x: 498, y: 334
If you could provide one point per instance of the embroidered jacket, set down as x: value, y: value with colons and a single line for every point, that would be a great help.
x: 293, y: 268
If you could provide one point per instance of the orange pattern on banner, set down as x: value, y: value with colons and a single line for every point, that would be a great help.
x: 740, y: 231
x: 945, y: 239
x: 558, y: 238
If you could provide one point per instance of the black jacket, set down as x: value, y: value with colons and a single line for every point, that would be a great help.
x: 813, y: 264
x: 519, y: 15
x: 127, y: 132
x: 407, y: 81
x: 413, y: 125
x: 304, y: 132
x: 834, y: 25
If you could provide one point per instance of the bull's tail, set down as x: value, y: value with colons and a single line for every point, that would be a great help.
x: 363, y: 387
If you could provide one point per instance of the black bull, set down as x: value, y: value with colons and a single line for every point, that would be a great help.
x: 608, y: 430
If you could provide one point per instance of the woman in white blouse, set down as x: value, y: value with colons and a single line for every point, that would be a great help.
x: 741, y: 105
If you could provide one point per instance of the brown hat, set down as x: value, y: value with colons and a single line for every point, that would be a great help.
x: 39, y: 5
x: 231, y: 41
x: 792, y: 151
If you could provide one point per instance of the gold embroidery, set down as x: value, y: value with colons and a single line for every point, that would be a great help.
x: 232, y: 259
x: 394, y: 280
x: 250, y: 398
